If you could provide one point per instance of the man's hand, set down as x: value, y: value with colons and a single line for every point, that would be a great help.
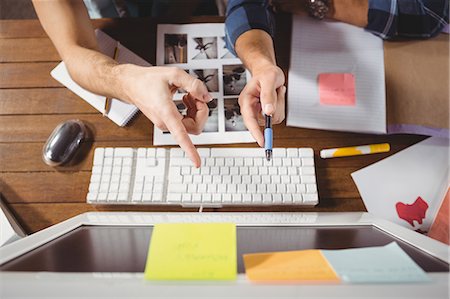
x: 151, y: 89
x: 265, y: 93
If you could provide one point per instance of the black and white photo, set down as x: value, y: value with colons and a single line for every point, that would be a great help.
x: 234, y: 79
x: 208, y: 76
x: 233, y: 116
x: 175, y: 48
x: 205, y: 48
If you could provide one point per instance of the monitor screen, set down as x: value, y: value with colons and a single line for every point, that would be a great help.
x: 124, y: 249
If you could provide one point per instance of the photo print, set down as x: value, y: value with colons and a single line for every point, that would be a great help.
x: 205, y: 48
x: 233, y: 117
x: 208, y: 76
x: 224, y: 53
x: 212, y: 124
x: 181, y: 107
x: 200, y: 50
x: 175, y: 48
x: 234, y: 79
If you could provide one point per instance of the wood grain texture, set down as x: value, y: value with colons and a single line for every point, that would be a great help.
x: 37, y: 128
x: 27, y: 50
x: 27, y: 75
x: 42, y: 101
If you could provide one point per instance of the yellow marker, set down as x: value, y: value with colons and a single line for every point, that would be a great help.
x: 355, y: 150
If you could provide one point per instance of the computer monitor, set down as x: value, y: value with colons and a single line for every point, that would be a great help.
x: 117, y: 243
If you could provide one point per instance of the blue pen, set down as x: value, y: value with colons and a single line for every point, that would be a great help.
x: 268, y: 138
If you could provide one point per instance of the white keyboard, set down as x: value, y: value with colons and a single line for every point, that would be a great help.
x: 228, y: 176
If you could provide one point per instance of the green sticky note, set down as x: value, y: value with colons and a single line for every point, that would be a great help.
x: 192, y: 251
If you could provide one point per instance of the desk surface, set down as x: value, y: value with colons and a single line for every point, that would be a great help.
x: 32, y: 103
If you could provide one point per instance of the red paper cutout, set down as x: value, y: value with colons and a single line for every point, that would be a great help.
x: 415, y: 211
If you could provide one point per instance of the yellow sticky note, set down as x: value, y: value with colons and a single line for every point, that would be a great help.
x: 302, y: 265
x: 192, y: 251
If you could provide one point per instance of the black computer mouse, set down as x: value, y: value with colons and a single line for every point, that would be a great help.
x: 65, y: 140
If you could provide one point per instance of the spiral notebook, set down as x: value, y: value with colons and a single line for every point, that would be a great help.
x: 120, y: 112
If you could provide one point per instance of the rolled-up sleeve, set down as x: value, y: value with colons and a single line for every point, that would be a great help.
x: 244, y: 15
x: 390, y: 19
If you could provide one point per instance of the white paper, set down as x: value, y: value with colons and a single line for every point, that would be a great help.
x: 420, y: 170
x: 331, y: 47
x: 7, y: 233
x: 200, y: 50
x: 119, y: 112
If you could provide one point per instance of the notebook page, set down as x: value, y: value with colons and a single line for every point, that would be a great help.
x: 330, y: 47
x: 120, y: 112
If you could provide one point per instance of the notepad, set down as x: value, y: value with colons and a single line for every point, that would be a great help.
x: 192, y: 251
x: 383, y: 264
x: 336, y: 48
x: 289, y: 266
x: 120, y: 112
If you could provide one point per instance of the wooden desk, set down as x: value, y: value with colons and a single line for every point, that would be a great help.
x: 32, y: 104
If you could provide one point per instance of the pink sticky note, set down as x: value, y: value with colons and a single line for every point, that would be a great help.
x: 337, y: 89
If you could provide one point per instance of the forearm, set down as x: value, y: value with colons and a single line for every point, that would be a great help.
x: 353, y: 12
x: 67, y: 24
x: 97, y: 72
x: 255, y: 49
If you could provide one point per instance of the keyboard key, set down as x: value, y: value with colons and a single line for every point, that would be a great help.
x: 311, y: 188
x: 292, y: 152
x: 142, y: 152
x: 161, y: 153
x: 176, y: 153
x: 157, y: 197
x: 123, y: 152
x: 306, y: 152
x: 308, y: 179
x: 312, y: 198
x: 122, y: 196
x: 91, y: 196
x: 226, y: 198
x: 136, y: 196
x: 109, y: 152
x: 147, y: 197
x: 98, y: 156
x: 308, y: 161
x: 279, y: 152
x: 174, y: 197
x: 186, y: 197
x: 203, y: 152
x: 237, y: 198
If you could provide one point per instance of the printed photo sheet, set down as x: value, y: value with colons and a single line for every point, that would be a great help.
x: 200, y: 50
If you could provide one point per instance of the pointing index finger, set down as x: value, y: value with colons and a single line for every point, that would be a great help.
x: 179, y: 133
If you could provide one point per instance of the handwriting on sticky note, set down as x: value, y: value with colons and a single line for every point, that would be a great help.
x: 192, y: 251
x: 303, y: 265
x: 389, y: 264
x: 337, y: 89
